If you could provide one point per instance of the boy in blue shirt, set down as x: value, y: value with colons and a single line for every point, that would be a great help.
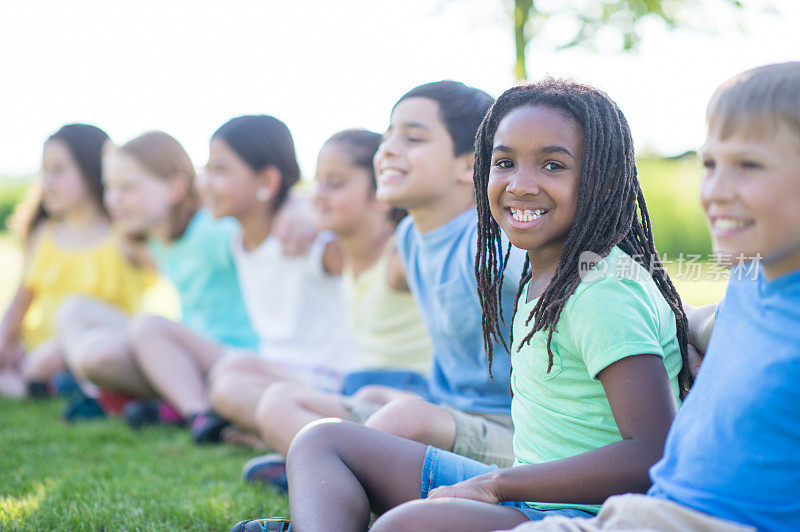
x: 425, y: 165
x: 732, y: 458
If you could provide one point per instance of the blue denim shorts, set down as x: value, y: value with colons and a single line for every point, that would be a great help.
x: 409, y: 381
x: 443, y: 468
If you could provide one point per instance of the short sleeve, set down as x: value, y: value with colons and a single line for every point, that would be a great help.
x: 219, y: 239
x: 612, y: 319
x: 402, y: 236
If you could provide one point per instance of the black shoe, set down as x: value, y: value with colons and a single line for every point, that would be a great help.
x: 139, y: 414
x: 206, y: 427
x: 265, y: 524
x: 37, y: 390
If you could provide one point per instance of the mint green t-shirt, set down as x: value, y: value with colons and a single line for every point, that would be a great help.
x: 200, y: 265
x: 617, y: 311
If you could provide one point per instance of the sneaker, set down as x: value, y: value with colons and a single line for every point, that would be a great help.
x: 206, y: 427
x: 139, y: 414
x: 62, y: 384
x: 80, y: 406
x: 265, y: 524
x: 267, y: 469
x: 37, y: 390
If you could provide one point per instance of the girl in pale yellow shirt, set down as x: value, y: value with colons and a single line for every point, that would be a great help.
x: 381, y: 311
x: 71, y: 250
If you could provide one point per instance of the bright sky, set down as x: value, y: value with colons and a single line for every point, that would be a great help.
x: 321, y: 66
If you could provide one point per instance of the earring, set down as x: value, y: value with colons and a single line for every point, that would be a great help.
x: 263, y: 195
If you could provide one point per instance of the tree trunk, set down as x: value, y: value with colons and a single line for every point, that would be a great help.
x: 522, y: 13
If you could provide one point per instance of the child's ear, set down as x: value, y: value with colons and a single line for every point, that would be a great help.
x: 270, y: 177
x: 180, y: 186
x: 466, y: 165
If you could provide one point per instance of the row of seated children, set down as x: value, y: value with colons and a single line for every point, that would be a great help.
x: 295, y: 303
x: 600, y: 362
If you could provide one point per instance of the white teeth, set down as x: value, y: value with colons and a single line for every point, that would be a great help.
x: 527, y: 215
x: 726, y: 224
x: 390, y: 173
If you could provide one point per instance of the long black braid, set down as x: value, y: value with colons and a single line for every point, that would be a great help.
x: 606, y: 215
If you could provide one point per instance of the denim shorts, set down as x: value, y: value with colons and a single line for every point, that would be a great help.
x: 443, y: 468
x: 409, y: 381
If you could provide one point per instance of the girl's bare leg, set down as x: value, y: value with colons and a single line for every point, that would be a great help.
x: 237, y: 386
x: 339, y: 470
x: 286, y: 407
x: 44, y: 361
x: 93, y: 336
x: 174, y: 360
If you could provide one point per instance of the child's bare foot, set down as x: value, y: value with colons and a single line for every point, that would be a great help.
x: 11, y: 383
x: 245, y: 438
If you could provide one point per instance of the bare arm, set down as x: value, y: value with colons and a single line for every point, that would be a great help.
x: 396, y: 274
x: 294, y: 224
x: 701, y: 324
x: 333, y: 259
x: 12, y: 322
x: 643, y: 405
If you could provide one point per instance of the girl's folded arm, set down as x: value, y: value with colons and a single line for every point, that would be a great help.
x: 643, y: 405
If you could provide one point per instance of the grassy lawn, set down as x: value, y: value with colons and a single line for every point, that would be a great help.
x: 101, y: 475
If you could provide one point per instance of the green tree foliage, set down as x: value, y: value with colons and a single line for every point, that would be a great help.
x: 621, y: 15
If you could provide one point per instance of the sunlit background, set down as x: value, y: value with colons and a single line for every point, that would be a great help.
x: 322, y: 66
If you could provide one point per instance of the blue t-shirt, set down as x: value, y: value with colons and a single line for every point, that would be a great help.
x: 440, y: 267
x: 200, y: 265
x: 734, y: 448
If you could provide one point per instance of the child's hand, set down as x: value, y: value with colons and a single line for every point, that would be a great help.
x: 294, y: 226
x: 476, y: 489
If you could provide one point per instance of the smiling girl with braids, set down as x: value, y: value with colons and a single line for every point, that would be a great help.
x: 596, y: 357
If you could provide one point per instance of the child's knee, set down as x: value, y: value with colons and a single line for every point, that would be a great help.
x: 372, y: 393
x: 276, y: 399
x: 97, y: 357
x: 324, y: 435
x: 144, y: 327
x: 72, y: 309
x: 408, y: 517
x: 410, y: 418
x: 221, y: 395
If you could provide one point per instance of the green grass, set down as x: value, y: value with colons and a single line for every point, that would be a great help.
x: 100, y: 475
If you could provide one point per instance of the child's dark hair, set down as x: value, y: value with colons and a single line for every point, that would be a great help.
x: 262, y: 141
x: 85, y: 144
x: 361, y: 145
x: 461, y: 108
x: 606, y: 214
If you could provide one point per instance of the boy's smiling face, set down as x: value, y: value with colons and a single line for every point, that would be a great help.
x: 751, y: 194
x: 416, y: 166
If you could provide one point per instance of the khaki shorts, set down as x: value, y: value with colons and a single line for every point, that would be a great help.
x: 640, y: 513
x: 486, y: 438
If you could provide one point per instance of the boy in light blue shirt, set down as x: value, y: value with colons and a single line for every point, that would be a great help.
x: 732, y: 458
x: 425, y: 165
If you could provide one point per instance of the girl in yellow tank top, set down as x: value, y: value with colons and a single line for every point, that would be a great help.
x: 71, y: 249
